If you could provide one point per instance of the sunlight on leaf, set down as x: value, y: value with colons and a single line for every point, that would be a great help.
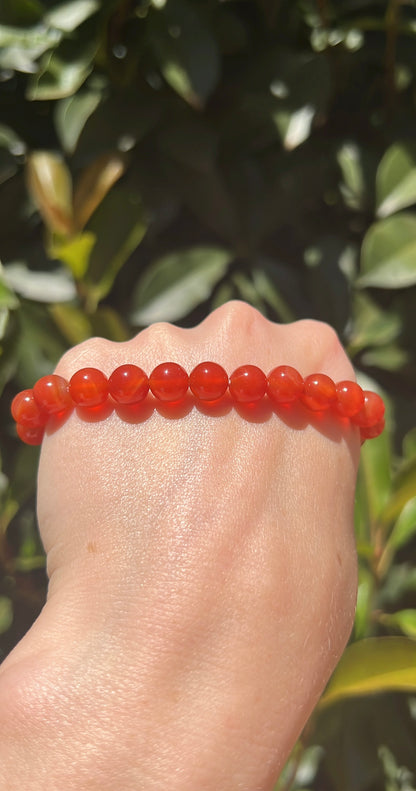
x: 50, y: 185
x: 371, y: 666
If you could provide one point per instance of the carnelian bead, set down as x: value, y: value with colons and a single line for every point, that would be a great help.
x: 52, y: 394
x: 88, y: 387
x: 284, y: 384
x: 372, y: 412
x: 319, y: 392
x: 248, y: 384
x: 370, y: 432
x: 350, y: 398
x: 208, y: 381
x: 32, y: 435
x: 128, y: 384
x: 26, y: 410
x: 169, y: 382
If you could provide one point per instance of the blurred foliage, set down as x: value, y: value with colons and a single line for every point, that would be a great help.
x: 159, y: 157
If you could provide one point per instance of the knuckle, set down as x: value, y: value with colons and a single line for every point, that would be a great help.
x: 157, y: 340
x: 238, y: 315
x: 322, y: 345
x: 94, y: 352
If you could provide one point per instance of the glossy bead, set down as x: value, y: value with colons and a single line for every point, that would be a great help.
x: 371, y: 432
x: 128, y: 384
x: 31, y: 435
x: 284, y: 384
x: 88, y: 387
x: 247, y: 384
x: 26, y: 410
x: 169, y: 382
x: 319, y: 392
x: 350, y: 398
x: 52, y: 394
x: 208, y: 381
x: 372, y: 412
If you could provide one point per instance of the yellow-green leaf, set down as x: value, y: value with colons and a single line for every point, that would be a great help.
x: 378, y: 664
x: 75, y: 252
x: 50, y: 185
x: 388, y: 253
x: 405, y: 527
x: 404, y: 620
x: 396, y: 179
x: 72, y: 322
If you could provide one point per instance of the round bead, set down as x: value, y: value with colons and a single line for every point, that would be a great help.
x: 319, y: 392
x: 208, y: 381
x: 371, y: 432
x: 31, y: 435
x: 169, y: 382
x: 26, y: 410
x: 88, y: 387
x: 350, y: 398
x: 372, y: 411
x: 248, y: 384
x: 284, y: 384
x: 52, y: 394
x: 128, y: 384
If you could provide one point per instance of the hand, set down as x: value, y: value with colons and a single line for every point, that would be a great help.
x: 202, y: 577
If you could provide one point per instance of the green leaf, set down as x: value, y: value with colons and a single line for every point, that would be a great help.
x: 186, y: 50
x: 364, y: 606
x: 371, y: 666
x: 396, y: 179
x: 177, y: 283
x: 68, y: 16
x: 50, y: 185
x: 8, y: 298
x: 62, y: 71
x: 388, y: 256
x: 404, y: 490
x: 353, y: 187
x: 404, y: 620
x: 405, y: 526
x: 73, y: 323
x: 20, y: 47
x: 119, y: 225
x: 75, y: 253
x: 389, y: 357
x: 11, y: 141
x: 71, y: 115
x: 55, y: 286
x: 372, y: 326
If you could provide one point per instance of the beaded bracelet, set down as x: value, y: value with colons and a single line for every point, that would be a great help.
x: 208, y: 382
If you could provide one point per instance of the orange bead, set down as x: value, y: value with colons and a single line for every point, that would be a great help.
x: 169, y: 382
x: 248, y: 384
x: 371, y: 432
x: 350, y: 398
x: 128, y: 384
x: 208, y: 381
x: 26, y: 410
x: 29, y: 434
x: 285, y: 384
x: 319, y: 392
x: 372, y: 411
x: 52, y: 394
x: 89, y: 387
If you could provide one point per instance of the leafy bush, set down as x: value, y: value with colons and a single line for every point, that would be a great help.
x: 160, y: 157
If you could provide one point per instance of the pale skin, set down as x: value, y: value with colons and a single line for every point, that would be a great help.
x: 202, y: 577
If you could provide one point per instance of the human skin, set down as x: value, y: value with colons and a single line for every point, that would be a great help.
x: 202, y: 576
